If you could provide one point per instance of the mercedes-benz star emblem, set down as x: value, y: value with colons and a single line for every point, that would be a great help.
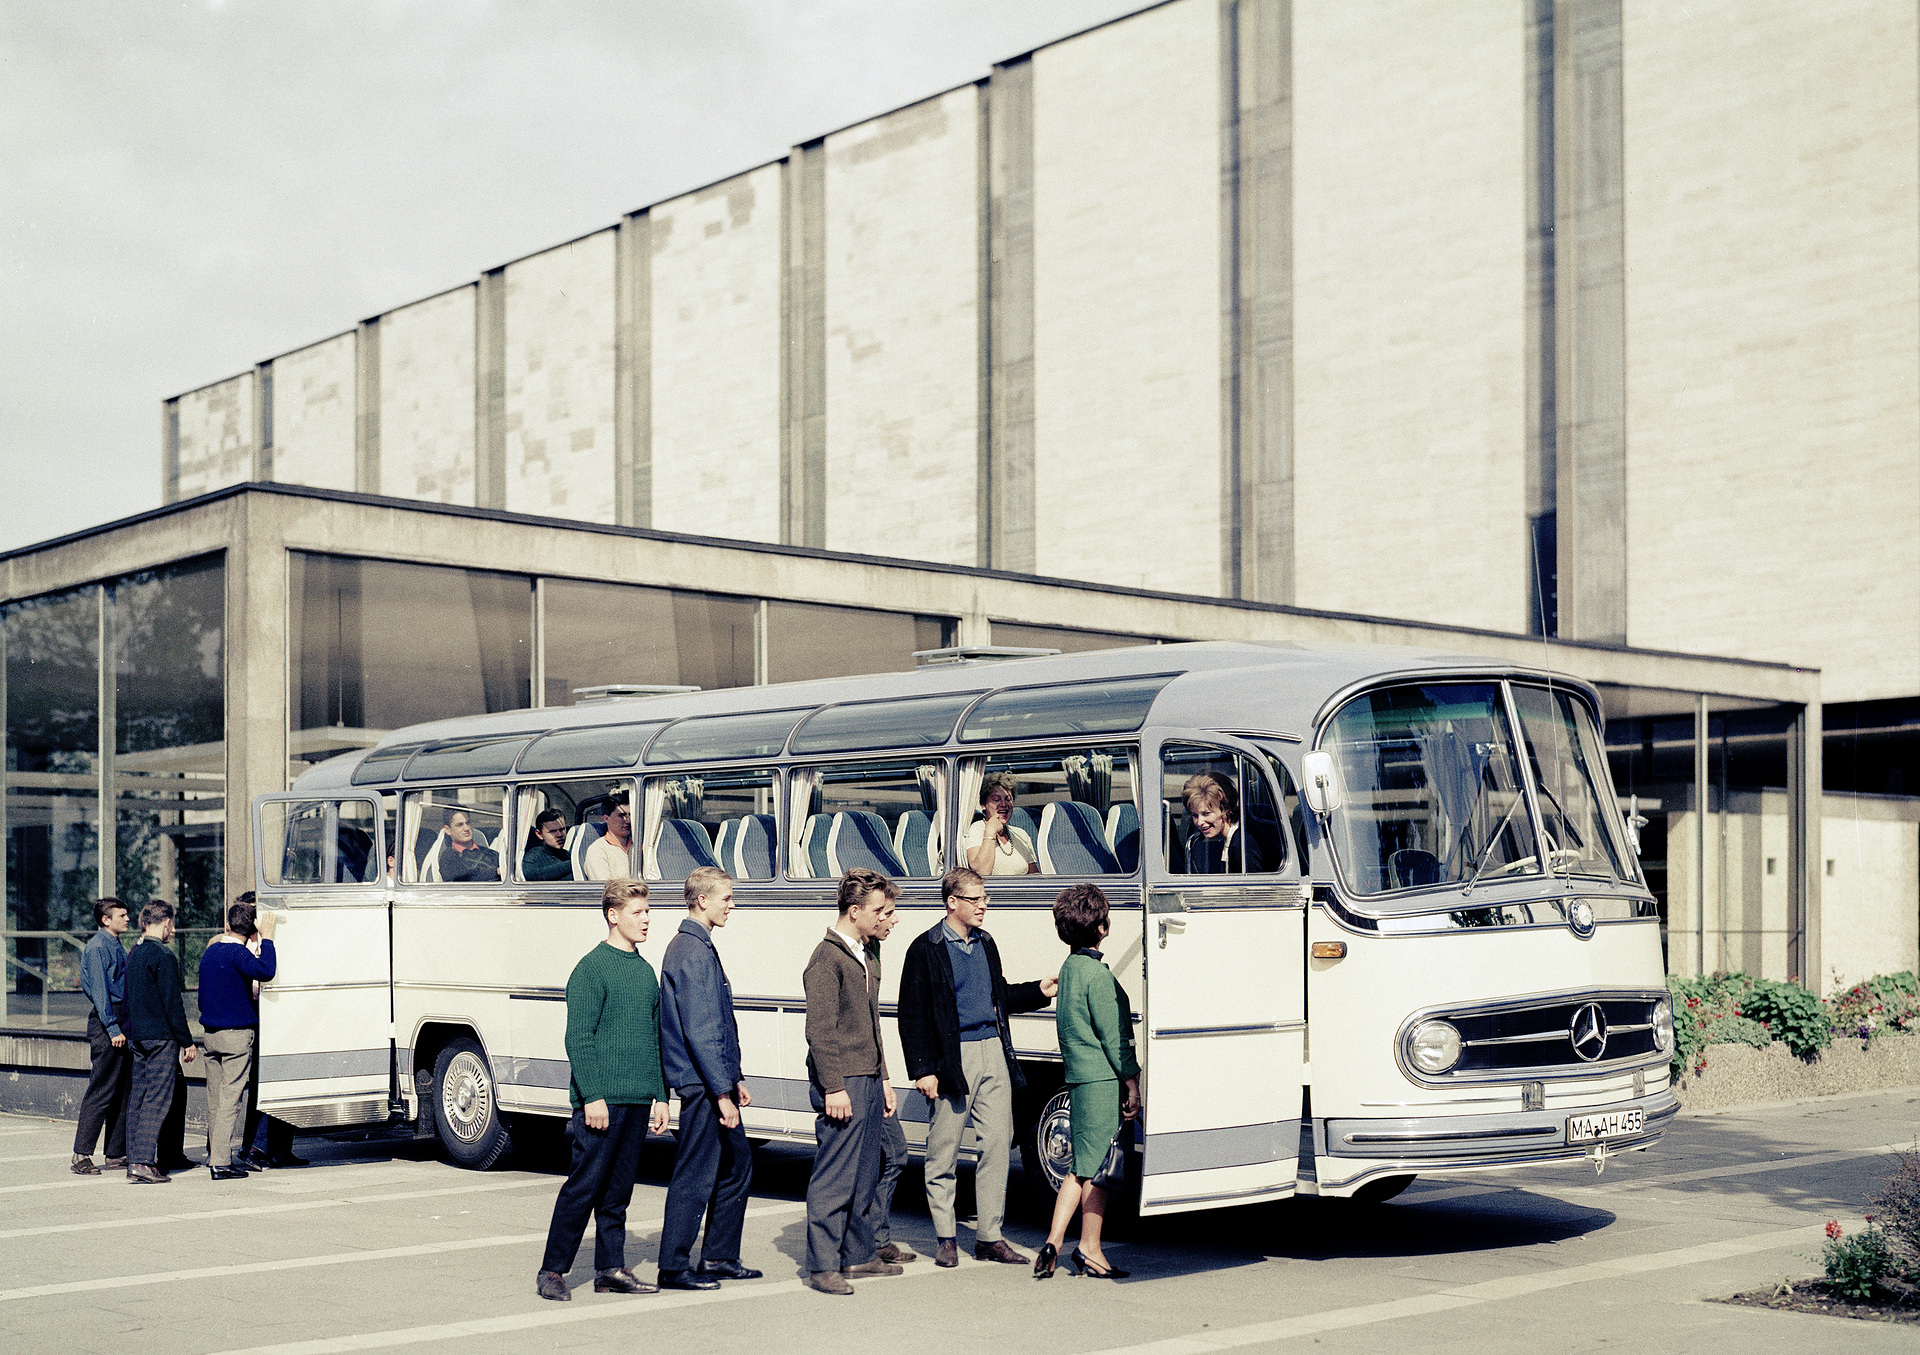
x: 1588, y: 1031
x: 1580, y: 918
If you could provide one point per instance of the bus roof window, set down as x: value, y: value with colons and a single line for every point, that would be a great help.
x: 383, y: 764
x: 474, y: 757
x: 1115, y: 707
x: 706, y: 738
x: 570, y: 750
x: 924, y: 722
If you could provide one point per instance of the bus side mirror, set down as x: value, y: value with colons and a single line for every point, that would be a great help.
x: 1320, y: 782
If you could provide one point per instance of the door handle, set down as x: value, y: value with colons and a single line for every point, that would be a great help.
x: 1179, y: 924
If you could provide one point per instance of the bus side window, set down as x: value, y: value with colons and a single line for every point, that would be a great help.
x: 1218, y: 813
x: 879, y: 816
x: 725, y: 818
x: 555, y: 822
x: 1061, y: 811
x: 454, y: 835
x: 296, y: 849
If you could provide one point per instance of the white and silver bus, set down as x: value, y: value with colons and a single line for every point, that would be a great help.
x: 1447, y: 958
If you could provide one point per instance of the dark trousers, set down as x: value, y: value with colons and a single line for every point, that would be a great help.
x: 156, y: 1063
x: 893, y: 1157
x: 712, y: 1171
x: 846, y: 1171
x: 265, y: 1135
x: 600, y: 1183
x: 173, y: 1131
x: 105, y: 1104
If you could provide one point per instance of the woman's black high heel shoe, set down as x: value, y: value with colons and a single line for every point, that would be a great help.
x: 1087, y: 1269
x: 1043, y: 1263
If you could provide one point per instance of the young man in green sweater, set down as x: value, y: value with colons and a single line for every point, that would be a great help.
x: 613, y: 1043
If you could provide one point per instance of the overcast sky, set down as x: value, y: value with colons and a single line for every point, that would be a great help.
x: 188, y: 188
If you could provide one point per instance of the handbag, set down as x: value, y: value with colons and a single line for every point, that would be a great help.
x: 1113, y: 1167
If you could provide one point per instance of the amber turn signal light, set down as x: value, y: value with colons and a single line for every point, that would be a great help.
x: 1329, y: 950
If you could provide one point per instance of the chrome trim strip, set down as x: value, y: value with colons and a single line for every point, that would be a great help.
x: 1432, y: 1167
x: 1261, y: 1028
x: 1451, y: 1135
x: 1284, y: 735
x: 1561, y: 1072
x: 1218, y: 1195
x: 367, y: 985
x: 1542, y: 1037
x: 1442, y: 1105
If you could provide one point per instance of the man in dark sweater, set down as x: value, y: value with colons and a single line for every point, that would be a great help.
x: 700, y: 1046
x: 954, y: 1004
x: 157, y: 1026
x: 613, y: 1043
x: 230, y: 1018
x: 847, y: 1069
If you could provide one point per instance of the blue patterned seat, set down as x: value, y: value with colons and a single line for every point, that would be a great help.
x: 859, y: 841
x: 1123, y: 835
x: 1073, y: 841
x: 684, y: 844
x: 753, y: 848
x: 913, y: 842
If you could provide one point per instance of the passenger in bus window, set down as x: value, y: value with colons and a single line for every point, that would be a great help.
x: 610, y: 855
x: 544, y: 858
x: 462, y: 858
x: 1216, y: 846
x: 994, y: 847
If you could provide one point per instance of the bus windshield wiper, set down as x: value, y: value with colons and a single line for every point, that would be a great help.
x: 1493, y: 840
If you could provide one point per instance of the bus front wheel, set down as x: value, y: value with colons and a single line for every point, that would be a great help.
x: 1381, y: 1189
x: 466, y: 1110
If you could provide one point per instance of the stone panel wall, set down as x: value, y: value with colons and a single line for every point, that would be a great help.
x: 426, y: 399
x: 560, y: 381
x: 217, y: 436
x: 313, y: 415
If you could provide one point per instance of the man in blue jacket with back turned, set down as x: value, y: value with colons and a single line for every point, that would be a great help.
x: 700, y: 1051
x: 230, y: 1015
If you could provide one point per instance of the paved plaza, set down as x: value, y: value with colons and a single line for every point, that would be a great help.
x: 378, y: 1245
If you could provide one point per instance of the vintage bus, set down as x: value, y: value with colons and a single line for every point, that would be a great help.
x: 1434, y: 952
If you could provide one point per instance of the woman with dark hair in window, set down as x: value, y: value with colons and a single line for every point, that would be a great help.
x: 1094, y: 1021
x: 545, y: 857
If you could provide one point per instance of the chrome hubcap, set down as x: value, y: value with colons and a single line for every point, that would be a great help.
x: 1056, y: 1139
x: 466, y: 1097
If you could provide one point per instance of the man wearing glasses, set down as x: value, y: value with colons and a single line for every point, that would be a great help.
x: 954, y: 1004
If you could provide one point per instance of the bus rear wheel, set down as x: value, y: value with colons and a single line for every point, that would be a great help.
x: 466, y: 1111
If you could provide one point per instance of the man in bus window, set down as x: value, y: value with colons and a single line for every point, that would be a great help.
x: 462, y: 857
x: 610, y: 855
x: 954, y: 1004
x: 847, y: 1073
x: 613, y: 1047
x: 700, y: 1051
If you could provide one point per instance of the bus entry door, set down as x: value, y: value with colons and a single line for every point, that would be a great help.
x: 1225, y: 1020
x: 326, y: 1018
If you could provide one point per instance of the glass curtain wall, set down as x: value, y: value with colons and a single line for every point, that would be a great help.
x: 1870, y: 839
x: 808, y: 640
x: 1062, y: 639
x: 600, y: 633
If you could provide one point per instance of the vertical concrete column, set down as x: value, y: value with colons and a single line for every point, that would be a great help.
x: 1702, y: 788
x: 1805, y: 852
x: 1007, y: 531
x: 170, y: 451
x: 803, y: 332
x: 633, y: 372
x: 366, y: 406
x: 490, y: 391
x: 1543, y: 562
x: 263, y: 421
x: 1256, y: 222
x: 109, y: 745
x: 257, y: 572
x: 1590, y: 317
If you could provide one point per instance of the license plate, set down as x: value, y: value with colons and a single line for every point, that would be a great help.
x: 1612, y: 1124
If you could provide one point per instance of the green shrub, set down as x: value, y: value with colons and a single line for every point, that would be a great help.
x: 1740, y: 1030
x: 1796, y: 1017
x: 1887, y: 1004
x: 1897, y: 1210
x: 1857, y: 1264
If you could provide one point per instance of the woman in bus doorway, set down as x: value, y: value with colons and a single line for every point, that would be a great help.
x: 1094, y: 1021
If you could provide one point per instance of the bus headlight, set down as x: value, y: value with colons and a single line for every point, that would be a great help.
x: 1663, y: 1025
x: 1434, y: 1046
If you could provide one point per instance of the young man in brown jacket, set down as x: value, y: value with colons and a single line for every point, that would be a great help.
x: 847, y: 1067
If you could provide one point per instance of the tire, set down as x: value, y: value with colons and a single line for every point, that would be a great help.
x: 1381, y: 1189
x: 1046, y: 1152
x: 466, y: 1113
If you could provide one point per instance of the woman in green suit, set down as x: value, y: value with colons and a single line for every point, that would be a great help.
x: 1095, y: 1025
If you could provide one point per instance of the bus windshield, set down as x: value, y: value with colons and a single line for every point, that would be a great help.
x: 1433, y: 793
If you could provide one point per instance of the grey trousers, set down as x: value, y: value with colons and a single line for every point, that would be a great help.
x: 846, y: 1169
x: 155, y: 1065
x: 989, y: 1102
x: 893, y: 1157
x: 229, y: 1056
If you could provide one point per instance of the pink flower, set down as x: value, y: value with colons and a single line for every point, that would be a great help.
x: 1833, y: 1228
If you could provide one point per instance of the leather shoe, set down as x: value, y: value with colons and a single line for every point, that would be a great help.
x: 226, y: 1173
x: 113, y: 1164
x: 551, y: 1284
x: 829, y: 1282
x: 897, y: 1254
x: 140, y: 1174
x: 998, y: 1251
x: 252, y: 1161
x: 727, y: 1270
x: 686, y: 1279
x: 947, y: 1256
x: 873, y: 1267
x: 83, y: 1166
x: 620, y: 1280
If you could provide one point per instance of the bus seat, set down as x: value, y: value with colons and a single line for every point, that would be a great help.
x: 1123, y: 835
x: 859, y: 838
x: 724, y: 841
x: 684, y: 844
x: 813, y: 847
x: 580, y: 837
x: 913, y: 842
x: 430, y: 863
x: 1023, y: 820
x: 1073, y: 841
x: 753, y: 848
x: 1412, y: 867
